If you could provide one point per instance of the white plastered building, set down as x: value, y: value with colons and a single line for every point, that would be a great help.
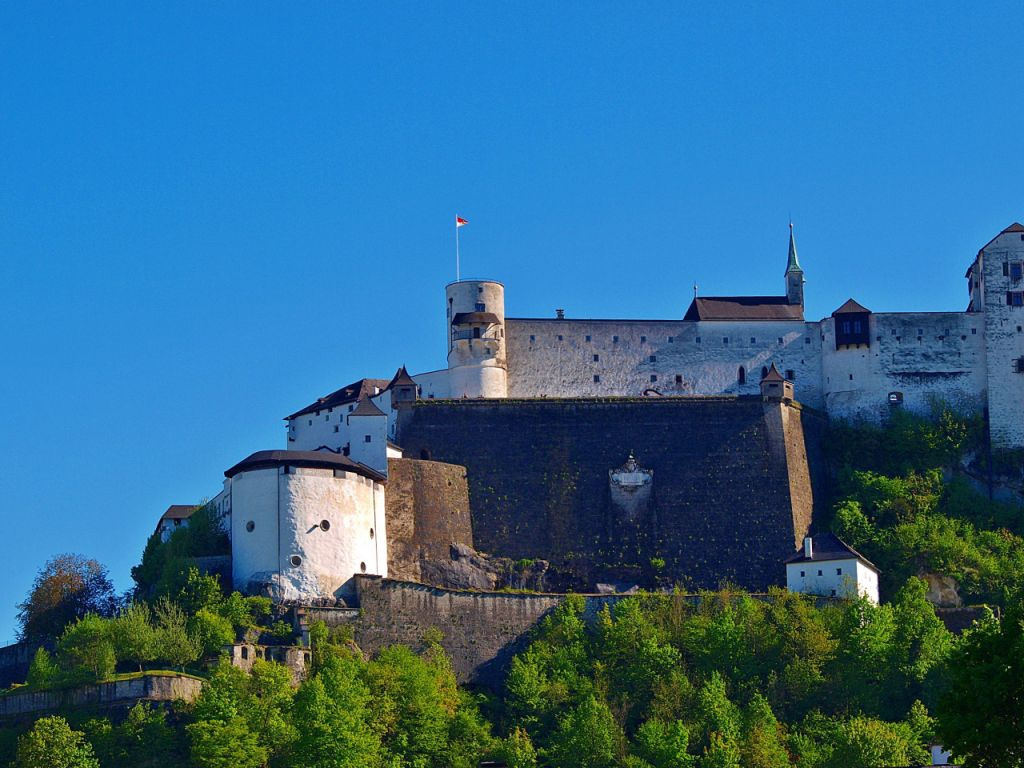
x: 829, y: 567
x: 855, y: 364
x: 303, y: 523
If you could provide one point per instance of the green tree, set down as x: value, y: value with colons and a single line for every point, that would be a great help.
x: 664, y: 745
x: 588, y: 737
x: 980, y: 716
x: 200, y: 590
x: 230, y: 744
x: 85, y: 650
x: 172, y: 642
x: 333, y: 718
x: 415, y: 700
x: 764, y: 741
x: 133, y: 635
x: 211, y: 631
x: 52, y: 744
x: 42, y: 672
x: 66, y: 589
x: 871, y: 743
x: 517, y: 750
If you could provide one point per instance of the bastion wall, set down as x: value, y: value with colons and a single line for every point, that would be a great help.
x: 733, y: 490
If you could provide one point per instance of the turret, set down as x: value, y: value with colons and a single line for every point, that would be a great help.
x: 403, y: 388
x: 476, y: 339
x: 368, y: 436
x: 794, y: 274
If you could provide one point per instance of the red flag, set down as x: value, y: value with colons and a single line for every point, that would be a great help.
x: 460, y: 222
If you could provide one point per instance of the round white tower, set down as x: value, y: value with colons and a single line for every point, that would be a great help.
x: 304, y: 523
x: 476, y: 339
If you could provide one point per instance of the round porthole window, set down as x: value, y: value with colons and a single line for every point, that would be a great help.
x: 362, y: 567
x: 371, y: 533
x: 250, y: 526
x: 296, y: 560
x: 325, y: 525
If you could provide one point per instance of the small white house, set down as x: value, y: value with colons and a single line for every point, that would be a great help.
x: 176, y: 516
x: 828, y: 566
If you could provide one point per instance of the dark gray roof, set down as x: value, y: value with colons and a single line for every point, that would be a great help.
x: 773, y: 374
x: 468, y: 318
x: 828, y: 546
x: 343, y: 396
x: 743, y: 308
x: 312, y: 459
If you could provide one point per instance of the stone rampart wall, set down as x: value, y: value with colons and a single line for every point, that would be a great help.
x: 427, y: 512
x: 117, y: 693
x: 732, y: 489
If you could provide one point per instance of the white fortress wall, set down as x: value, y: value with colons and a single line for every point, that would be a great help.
x: 333, y: 522
x: 254, y: 499
x: 561, y: 358
x: 330, y: 426
x: 926, y: 356
x: 433, y: 384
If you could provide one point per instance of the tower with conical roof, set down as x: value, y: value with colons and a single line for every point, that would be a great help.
x: 794, y: 274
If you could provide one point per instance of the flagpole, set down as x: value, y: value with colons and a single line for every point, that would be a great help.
x: 456, y: 249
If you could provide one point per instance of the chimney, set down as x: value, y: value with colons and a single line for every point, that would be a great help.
x: 808, y: 547
x: 560, y: 314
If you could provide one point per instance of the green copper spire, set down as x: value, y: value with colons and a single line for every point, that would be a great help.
x: 794, y: 264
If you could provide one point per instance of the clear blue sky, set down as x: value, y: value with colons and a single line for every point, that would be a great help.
x: 213, y: 213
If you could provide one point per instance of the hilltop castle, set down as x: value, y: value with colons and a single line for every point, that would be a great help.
x: 668, y: 449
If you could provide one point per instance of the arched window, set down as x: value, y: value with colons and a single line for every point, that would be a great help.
x: 764, y: 372
x: 742, y: 377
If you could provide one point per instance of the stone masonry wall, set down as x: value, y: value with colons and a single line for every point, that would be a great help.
x: 118, y: 693
x: 427, y: 508
x: 725, y: 505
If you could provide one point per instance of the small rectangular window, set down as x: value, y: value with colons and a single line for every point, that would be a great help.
x: 597, y: 379
x: 679, y: 378
x: 839, y: 571
x: 588, y: 338
x: 807, y: 340
x: 698, y: 339
x: 654, y: 358
x: 643, y: 339
x: 559, y: 337
x: 819, y: 573
x: 780, y: 339
x: 311, y: 421
x: 367, y: 439
x: 335, y: 427
x: 597, y: 358
x: 725, y: 339
x: 615, y: 339
x: 480, y: 307
x: 671, y: 340
x: 654, y: 378
x: 791, y: 374
x: 802, y: 574
x: 753, y: 340
x: 1006, y: 269
x: 532, y: 337
x: 856, y: 326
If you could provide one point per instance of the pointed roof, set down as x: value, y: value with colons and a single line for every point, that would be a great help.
x: 366, y: 407
x: 343, y: 396
x: 793, y: 265
x: 401, y: 378
x: 850, y: 307
x: 828, y: 546
x: 773, y: 374
x: 1015, y: 227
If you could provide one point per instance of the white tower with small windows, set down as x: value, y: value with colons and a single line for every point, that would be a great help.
x: 304, y: 523
x: 475, y: 321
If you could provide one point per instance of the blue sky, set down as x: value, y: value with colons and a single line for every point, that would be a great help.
x: 213, y: 213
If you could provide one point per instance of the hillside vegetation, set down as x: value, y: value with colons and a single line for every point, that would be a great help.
x: 658, y: 681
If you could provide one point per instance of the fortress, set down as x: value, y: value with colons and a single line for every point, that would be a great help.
x: 617, y: 451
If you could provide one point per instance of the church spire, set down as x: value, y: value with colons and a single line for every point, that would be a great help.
x: 794, y: 273
x: 794, y: 264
